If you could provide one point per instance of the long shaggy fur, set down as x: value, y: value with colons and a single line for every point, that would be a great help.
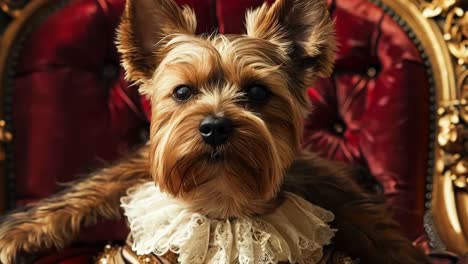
x: 181, y: 164
x: 302, y: 29
x: 139, y: 33
x: 285, y: 48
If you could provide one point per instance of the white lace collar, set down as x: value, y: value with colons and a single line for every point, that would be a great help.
x: 294, y: 232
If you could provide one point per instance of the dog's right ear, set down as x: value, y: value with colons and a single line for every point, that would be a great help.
x: 146, y: 25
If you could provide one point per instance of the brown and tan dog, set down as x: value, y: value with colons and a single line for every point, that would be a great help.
x: 227, y: 120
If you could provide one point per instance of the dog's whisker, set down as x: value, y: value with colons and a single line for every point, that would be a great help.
x: 215, y: 154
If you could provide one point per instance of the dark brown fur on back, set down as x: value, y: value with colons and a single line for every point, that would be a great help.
x: 366, y: 229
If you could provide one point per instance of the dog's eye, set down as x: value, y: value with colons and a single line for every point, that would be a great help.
x: 257, y: 93
x: 182, y: 93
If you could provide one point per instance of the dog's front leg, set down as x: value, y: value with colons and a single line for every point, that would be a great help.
x: 56, y: 221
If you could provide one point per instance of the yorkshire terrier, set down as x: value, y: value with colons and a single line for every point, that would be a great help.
x: 227, y: 122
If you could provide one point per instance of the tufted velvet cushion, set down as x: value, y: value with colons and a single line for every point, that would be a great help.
x: 71, y: 106
x: 374, y: 110
x: 72, y: 109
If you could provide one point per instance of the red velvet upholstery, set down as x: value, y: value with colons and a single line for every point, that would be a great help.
x: 72, y: 107
x: 374, y: 110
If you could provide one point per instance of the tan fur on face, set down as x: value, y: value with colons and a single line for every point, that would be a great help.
x: 220, y: 69
x: 283, y: 50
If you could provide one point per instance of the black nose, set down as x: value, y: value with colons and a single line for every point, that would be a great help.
x: 215, y: 130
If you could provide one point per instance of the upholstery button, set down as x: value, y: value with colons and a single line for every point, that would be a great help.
x: 339, y: 128
x: 110, y: 72
x: 371, y: 72
x: 143, y: 134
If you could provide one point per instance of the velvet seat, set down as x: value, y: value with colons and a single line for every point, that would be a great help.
x: 71, y: 111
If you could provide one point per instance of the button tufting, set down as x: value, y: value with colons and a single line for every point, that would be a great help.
x: 371, y: 72
x: 339, y: 128
x: 110, y: 72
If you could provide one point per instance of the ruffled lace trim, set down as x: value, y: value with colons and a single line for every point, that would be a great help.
x: 295, y: 232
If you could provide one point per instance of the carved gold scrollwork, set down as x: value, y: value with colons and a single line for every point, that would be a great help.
x: 453, y: 116
x: 456, y: 34
x: 442, y: 27
x: 454, y: 25
x: 453, y: 139
x: 436, y: 7
x: 464, y: 96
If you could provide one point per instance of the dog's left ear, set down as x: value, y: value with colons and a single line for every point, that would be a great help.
x: 302, y: 28
x: 145, y: 26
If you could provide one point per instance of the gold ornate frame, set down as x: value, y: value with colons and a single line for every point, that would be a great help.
x: 441, y: 30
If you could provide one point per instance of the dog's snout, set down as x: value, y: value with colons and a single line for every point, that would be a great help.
x: 215, y: 130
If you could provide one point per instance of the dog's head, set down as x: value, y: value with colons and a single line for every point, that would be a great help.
x: 227, y: 111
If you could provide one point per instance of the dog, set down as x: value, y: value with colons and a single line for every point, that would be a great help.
x: 225, y: 134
